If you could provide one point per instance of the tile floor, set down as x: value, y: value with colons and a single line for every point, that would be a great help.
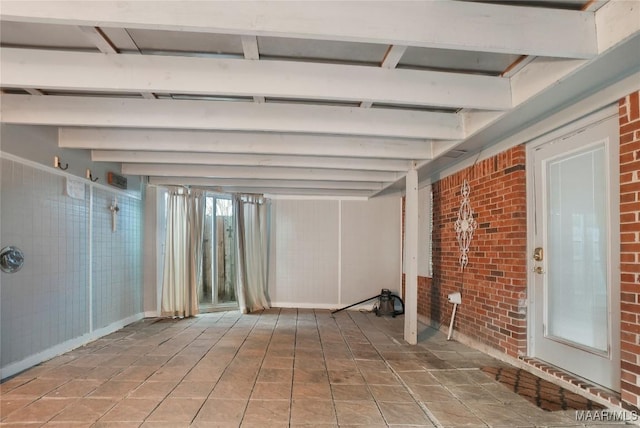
x: 278, y: 368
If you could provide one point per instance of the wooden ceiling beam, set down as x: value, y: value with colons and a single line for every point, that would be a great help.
x: 229, y: 116
x: 81, y: 71
x: 257, y: 143
x: 429, y: 24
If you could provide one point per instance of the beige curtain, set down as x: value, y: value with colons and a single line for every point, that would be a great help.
x: 183, y: 253
x: 252, y: 245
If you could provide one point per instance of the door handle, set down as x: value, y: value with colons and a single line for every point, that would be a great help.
x: 538, y: 254
x: 538, y: 269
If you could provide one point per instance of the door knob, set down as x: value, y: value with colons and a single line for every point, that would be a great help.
x: 538, y: 254
x: 538, y: 269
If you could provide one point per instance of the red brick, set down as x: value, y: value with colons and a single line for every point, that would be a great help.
x: 495, y: 279
x: 629, y: 127
x: 498, y: 259
x: 629, y: 115
x: 634, y: 106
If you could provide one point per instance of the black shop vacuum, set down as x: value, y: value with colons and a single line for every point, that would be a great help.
x: 386, y: 304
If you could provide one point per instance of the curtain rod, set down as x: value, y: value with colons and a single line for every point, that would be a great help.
x: 212, y: 189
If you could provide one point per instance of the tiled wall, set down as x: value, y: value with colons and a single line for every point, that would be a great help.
x: 47, y: 303
x: 629, y: 118
x: 117, y: 259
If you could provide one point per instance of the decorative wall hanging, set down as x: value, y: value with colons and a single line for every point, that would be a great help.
x: 465, y: 224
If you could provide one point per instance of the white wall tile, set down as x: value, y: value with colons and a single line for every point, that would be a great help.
x: 47, y: 302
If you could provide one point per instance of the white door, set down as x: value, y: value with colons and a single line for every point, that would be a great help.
x: 575, y: 273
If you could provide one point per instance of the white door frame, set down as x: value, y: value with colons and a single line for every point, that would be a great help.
x: 565, y: 131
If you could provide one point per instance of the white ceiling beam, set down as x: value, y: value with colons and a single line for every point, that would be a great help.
x: 299, y: 197
x: 615, y: 22
x: 251, y: 52
x: 81, y: 71
x: 199, y: 158
x: 250, y: 47
x: 294, y: 193
x: 33, y: 91
x: 430, y: 24
x: 98, y: 38
x: 390, y: 60
x: 106, y: 46
x: 261, y: 183
x: 230, y: 116
x: 120, y: 38
x: 292, y: 189
x: 243, y: 142
x: 539, y: 75
x: 393, y: 56
x: 271, y: 173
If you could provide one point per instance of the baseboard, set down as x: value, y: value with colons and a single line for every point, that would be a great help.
x: 115, y: 326
x: 330, y: 306
x: 151, y: 314
x: 303, y: 305
x: 35, y: 359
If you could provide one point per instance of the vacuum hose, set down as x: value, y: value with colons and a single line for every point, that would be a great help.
x: 385, y: 295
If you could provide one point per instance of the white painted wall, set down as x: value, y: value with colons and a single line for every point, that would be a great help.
x: 329, y: 254
x: 154, y: 241
x: 304, y: 262
x: 370, y: 248
x: 40, y: 144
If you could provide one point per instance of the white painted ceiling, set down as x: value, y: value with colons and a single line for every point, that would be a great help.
x: 332, y: 99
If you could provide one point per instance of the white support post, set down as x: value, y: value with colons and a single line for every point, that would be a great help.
x: 411, y: 258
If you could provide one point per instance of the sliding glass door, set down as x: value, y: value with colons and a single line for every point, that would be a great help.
x: 218, y: 279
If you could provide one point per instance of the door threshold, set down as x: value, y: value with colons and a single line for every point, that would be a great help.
x: 204, y: 309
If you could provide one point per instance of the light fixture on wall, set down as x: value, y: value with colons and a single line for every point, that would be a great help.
x: 57, y: 164
x: 465, y: 224
x: 90, y: 176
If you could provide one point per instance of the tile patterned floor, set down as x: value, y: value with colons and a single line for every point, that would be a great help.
x: 278, y: 368
x: 542, y: 393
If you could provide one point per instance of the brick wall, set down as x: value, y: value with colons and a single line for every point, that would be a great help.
x: 629, y: 109
x: 493, y: 284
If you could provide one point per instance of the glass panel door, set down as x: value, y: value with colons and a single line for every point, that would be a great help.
x: 577, y: 249
x: 575, y: 287
x: 218, y: 279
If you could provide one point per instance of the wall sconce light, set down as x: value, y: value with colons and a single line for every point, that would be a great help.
x: 90, y: 176
x: 57, y: 164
